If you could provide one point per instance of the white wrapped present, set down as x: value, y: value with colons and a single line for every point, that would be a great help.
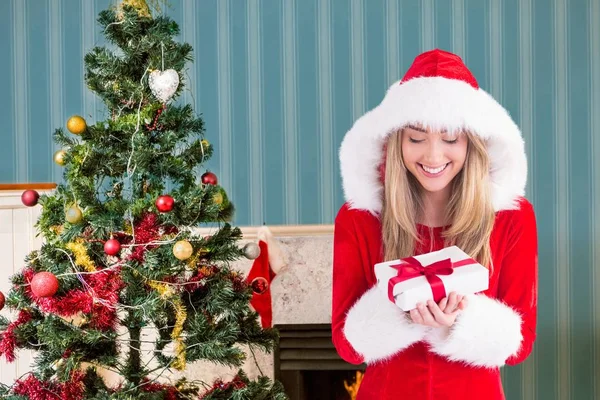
x: 434, y: 275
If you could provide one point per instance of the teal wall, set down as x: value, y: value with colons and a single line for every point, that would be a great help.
x: 279, y: 82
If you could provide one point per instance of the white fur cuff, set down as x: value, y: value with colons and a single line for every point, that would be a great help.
x: 377, y: 329
x: 485, y: 334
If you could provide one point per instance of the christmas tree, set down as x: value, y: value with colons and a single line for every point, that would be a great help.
x: 121, y: 255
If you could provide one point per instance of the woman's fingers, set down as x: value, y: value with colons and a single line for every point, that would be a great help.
x: 415, y: 315
x: 434, y: 315
x: 443, y: 303
x: 426, y: 315
x: 440, y: 317
x: 452, y: 303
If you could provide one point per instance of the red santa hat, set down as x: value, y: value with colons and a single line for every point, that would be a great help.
x: 439, y: 92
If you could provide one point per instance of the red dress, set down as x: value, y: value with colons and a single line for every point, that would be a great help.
x: 411, y: 361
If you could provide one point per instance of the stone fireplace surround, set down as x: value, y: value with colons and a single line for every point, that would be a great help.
x: 301, y: 297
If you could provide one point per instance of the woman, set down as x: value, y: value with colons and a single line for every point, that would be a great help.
x: 437, y: 163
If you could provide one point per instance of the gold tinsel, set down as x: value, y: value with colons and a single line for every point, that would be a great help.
x: 166, y: 292
x: 196, y: 257
x: 163, y: 289
x: 142, y: 7
x: 127, y: 228
x: 81, y: 256
x: 180, y: 316
x: 205, y: 270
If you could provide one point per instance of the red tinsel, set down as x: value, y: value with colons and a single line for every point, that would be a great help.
x: 146, y: 231
x: 9, y: 340
x: 170, y: 391
x: 154, y: 126
x: 236, y: 383
x: 194, y: 283
x: 238, y: 282
x: 205, y: 271
x: 35, y: 389
x: 99, y: 300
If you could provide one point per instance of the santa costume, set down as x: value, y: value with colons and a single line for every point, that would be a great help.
x: 406, y: 360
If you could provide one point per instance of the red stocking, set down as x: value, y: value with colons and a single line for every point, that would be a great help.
x: 259, y: 278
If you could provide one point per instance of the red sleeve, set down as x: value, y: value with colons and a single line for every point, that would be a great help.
x: 366, y: 326
x: 518, y: 280
x: 349, y: 283
x: 492, y: 332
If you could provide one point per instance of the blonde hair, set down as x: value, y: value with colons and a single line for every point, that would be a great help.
x: 470, y: 210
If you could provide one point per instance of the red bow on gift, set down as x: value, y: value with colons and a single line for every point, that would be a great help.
x: 410, y: 268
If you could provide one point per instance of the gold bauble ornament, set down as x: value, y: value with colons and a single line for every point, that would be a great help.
x: 59, y: 157
x: 74, y: 215
x: 76, y: 125
x: 218, y: 198
x: 205, y: 143
x: 140, y: 6
x: 183, y: 250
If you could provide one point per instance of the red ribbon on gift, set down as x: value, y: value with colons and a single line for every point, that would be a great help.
x: 410, y: 268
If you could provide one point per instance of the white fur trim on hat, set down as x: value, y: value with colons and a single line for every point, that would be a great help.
x: 438, y: 103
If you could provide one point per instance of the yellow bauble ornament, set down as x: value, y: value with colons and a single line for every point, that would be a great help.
x: 74, y: 215
x: 139, y: 5
x: 205, y: 143
x: 59, y: 157
x: 76, y: 125
x: 218, y: 198
x: 183, y: 250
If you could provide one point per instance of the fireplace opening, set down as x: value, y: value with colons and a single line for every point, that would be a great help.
x: 308, y: 366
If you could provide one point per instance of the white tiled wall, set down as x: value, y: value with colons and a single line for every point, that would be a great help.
x: 17, y: 239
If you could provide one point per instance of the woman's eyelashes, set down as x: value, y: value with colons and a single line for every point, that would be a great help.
x: 449, y: 141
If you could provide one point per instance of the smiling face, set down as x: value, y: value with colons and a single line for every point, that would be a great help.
x: 434, y: 158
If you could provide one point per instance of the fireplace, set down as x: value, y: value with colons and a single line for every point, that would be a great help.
x: 308, y: 366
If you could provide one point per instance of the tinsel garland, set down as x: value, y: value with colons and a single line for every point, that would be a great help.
x: 196, y: 258
x: 169, y: 391
x: 237, y: 280
x: 236, y: 383
x: 148, y: 230
x: 167, y: 293
x: 35, y: 389
x: 9, y: 340
x: 99, y: 299
x: 82, y: 259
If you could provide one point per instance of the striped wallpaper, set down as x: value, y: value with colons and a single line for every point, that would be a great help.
x: 279, y: 82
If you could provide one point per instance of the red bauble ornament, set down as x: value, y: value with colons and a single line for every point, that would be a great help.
x: 165, y: 203
x: 44, y: 284
x: 259, y: 285
x: 30, y: 198
x: 2, y: 300
x: 112, y: 247
x: 208, y: 178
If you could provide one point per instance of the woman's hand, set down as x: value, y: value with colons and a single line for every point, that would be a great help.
x: 438, y: 315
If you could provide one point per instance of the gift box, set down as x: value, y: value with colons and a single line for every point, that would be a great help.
x: 434, y: 275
